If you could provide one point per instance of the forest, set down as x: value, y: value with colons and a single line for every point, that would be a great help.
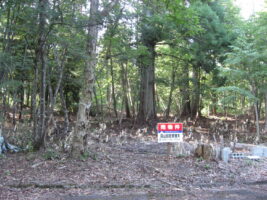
x: 82, y: 79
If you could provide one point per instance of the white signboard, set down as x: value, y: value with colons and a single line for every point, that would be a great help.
x: 170, y: 132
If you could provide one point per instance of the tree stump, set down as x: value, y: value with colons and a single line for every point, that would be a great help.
x: 207, y: 151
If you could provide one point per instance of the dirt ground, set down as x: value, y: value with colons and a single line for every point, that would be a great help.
x: 136, y: 170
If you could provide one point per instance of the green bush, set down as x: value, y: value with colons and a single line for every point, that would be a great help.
x: 51, y: 155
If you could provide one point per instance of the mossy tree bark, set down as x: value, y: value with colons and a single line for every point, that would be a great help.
x: 82, y: 127
x: 147, y: 107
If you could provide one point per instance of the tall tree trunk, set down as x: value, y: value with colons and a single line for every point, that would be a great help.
x: 21, y: 102
x: 113, y: 88
x: 111, y: 33
x: 108, y: 90
x: 14, y: 108
x: 53, y: 95
x: 41, y: 60
x: 256, y: 110
x: 3, y: 110
x: 82, y: 125
x: 129, y: 91
x: 265, y: 111
x: 196, y: 92
x: 108, y: 95
x: 6, y: 49
x: 147, y: 103
x: 6, y: 37
x: 22, y: 90
x: 186, y: 105
x: 257, y: 138
x: 34, y: 115
x: 79, y: 143
x: 101, y: 110
x: 66, y: 112
x: 96, y: 102
x: 124, y: 83
x: 109, y: 63
x: 51, y: 122
x: 28, y: 94
x: 171, y: 91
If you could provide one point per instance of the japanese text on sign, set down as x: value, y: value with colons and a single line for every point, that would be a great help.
x: 170, y: 132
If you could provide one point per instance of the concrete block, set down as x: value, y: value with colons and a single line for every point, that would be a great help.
x: 257, y: 151
x: 253, y: 158
x: 217, y: 152
x: 225, y: 154
x: 265, y: 152
x: 237, y: 155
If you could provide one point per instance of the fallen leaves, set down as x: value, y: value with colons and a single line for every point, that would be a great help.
x: 121, y: 168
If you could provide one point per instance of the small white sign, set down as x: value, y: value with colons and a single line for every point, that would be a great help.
x: 170, y: 132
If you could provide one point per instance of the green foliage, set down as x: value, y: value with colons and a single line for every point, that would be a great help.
x: 154, y: 29
x: 200, y: 159
x: 239, y: 91
x: 180, y: 156
x: 51, y: 154
x: 30, y: 156
x: 2, y: 156
x: 249, y: 162
x: 30, y: 147
x: 7, y: 172
x: 11, y: 85
x: 207, y: 167
x: 244, y: 64
x: 87, y: 155
x: 214, y: 39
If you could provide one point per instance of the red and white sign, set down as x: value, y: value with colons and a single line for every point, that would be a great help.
x: 170, y: 132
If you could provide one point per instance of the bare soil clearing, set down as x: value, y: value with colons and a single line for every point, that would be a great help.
x: 134, y: 170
